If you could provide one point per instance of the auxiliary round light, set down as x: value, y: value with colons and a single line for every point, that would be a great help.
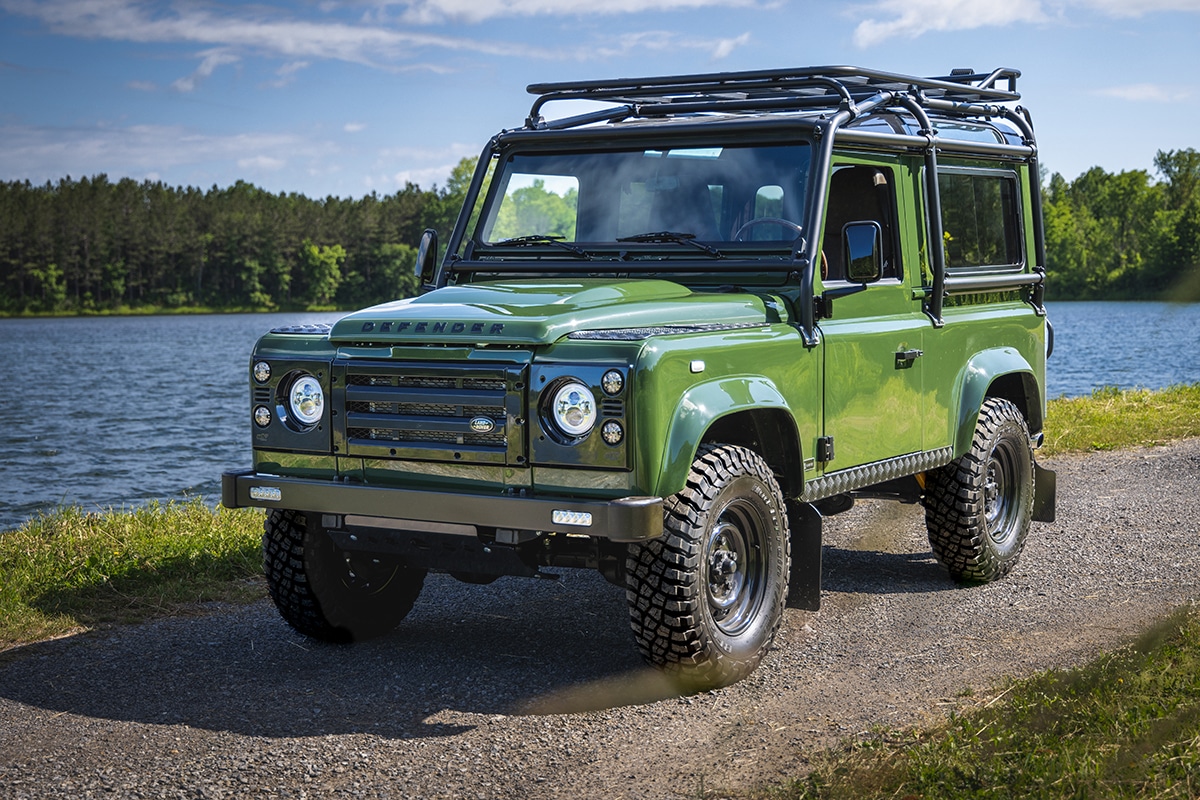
x: 574, y: 409
x: 612, y: 382
x: 262, y: 372
x: 262, y: 416
x: 612, y: 432
x: 306, y: 400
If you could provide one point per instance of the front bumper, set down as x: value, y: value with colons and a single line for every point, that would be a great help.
x: 627, y: 519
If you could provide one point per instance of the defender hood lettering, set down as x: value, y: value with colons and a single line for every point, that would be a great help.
x: 540, y: 312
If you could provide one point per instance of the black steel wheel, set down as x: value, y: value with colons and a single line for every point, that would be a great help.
x: 979, y: 507
x: 330, y: 594
x: 706, y: 599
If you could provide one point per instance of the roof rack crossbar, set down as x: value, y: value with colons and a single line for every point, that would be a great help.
x: 815, y: 87
x: 818, y: 90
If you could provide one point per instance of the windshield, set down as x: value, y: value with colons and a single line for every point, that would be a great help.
x: 681, y: 196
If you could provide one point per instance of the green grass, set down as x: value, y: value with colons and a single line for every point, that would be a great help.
x: 1125, y: 726
x: 1111, y: 419
x: 70, y: 570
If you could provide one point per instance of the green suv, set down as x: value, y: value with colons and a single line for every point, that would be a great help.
x: 667, y: 336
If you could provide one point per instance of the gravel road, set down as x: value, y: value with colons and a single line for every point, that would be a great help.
x: 533, y: 689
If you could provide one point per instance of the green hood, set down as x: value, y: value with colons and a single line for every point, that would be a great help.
x: 540, y: 312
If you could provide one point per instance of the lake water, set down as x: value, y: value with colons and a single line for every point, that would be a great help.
x: 114, y: 411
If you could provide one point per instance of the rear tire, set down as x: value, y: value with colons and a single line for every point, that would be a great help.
x: 706, y: 599
x: 330, y: 594
x: 978, y: 508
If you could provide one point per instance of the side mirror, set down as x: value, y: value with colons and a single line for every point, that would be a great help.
x: 863, y: 246
x: 427, y: 258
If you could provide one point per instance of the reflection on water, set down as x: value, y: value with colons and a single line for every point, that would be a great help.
x: 111, y: 412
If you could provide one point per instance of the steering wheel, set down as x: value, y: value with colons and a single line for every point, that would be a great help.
x: 783, y: 223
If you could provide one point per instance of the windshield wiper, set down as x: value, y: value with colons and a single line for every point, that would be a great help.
x: 672, y: 237
x: 547, y: 238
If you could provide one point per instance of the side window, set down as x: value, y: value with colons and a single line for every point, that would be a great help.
x: 980, y: 220
x: 859, y: 194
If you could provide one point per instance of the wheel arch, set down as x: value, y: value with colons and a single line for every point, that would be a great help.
x: 759, y: 420
x: 1002, y: 373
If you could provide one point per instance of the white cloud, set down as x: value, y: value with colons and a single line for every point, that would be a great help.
x: 887, y: 19
x: 286, y: 74
x: 424, y: 166
x: 912, y: 18
x: 425, y: 177
x: 231, y: 32
x: 38, y: 154
x: 424, y: 12
x: 258, y: 29
x: 1146, y: 93
x: 262, y: 163
x: 354, y: 127
x: 666, y: 41
x: 1138, y: 8
x: 212, y: 60
x: 726, y: 46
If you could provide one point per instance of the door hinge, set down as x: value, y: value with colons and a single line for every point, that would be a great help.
x: 825, y: 449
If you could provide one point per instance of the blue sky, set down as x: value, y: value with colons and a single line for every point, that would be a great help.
x: 346, y: 97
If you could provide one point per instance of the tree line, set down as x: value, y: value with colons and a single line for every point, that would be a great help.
x: 1126, y: 236
x: 95, y: 246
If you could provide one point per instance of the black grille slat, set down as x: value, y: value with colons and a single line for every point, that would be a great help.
x: 411, y: 423
x: 426, y: 410
x: 425, y: 437
x: 454, y: 396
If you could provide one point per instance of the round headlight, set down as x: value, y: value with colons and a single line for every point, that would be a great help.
x: 262, y: 416
x: 612, y: 432
x: 262, y: 372
x: 574, y: 409
x: 612, y: 382
x: 306, y: 400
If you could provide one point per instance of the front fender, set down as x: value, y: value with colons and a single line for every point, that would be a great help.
x: 698, y: 409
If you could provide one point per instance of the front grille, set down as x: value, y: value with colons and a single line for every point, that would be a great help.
x: 438, y: 412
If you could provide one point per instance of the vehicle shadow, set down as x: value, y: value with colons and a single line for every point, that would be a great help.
x: 515, y: 647
x: 874, y: 572
x: 880, y: 547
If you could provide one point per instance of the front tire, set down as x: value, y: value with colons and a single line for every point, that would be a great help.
x: 706, y: 599
x: 978, y: 508
x: 330, y: 594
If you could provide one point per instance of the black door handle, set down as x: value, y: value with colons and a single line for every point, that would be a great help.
x: 905, y: 358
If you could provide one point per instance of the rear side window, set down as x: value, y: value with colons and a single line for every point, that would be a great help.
x: 980, y: 220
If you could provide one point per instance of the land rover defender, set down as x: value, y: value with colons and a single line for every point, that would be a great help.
x: 666, y: 337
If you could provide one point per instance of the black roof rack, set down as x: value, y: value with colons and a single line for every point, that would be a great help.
x: 767, y: 90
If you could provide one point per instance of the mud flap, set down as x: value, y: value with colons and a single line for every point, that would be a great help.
x: 1044, y: 491
x: 804, y: 584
